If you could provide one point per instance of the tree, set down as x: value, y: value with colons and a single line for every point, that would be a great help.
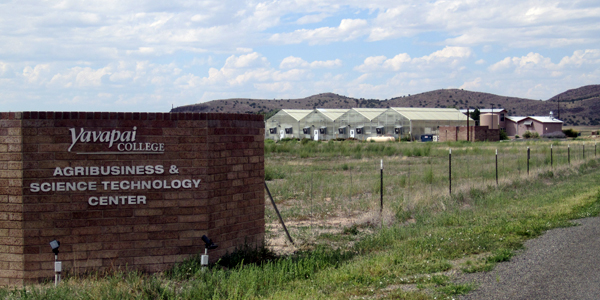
x: 475, y: 114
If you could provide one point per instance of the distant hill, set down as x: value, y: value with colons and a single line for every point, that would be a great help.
x: 579, y: 106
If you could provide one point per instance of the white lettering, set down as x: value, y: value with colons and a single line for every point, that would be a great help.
x: 176, y: 184
x: 45, y: 187
x: 93, y: 201
x: 196, y: 182
x: 74, y: 138
x: 68, y: 171
x: 124, y: 185
x: 114, y: 137
x: 159, y: 169
x: 82, y: 186
x: 58, y: 172
x: 34, y: 187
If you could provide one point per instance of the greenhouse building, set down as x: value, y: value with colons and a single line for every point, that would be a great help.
x: 322, y: 124
x: 285, y: 124
x: 418, y: 123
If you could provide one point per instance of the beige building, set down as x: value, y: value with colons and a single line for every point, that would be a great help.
x: 541, y: 125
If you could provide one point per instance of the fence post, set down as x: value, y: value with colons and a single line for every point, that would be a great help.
x: 583, y: 150
x: 381, y: 189
x: 551, y: 158
x: 278, y: 214
x: 496, y: 167
x: 569, y: 153
x: 528, y: 155
x: 450, y: 171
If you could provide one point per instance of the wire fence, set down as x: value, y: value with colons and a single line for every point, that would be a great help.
x: 328, y: 188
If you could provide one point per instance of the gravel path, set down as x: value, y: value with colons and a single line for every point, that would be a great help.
x: 563, y: 263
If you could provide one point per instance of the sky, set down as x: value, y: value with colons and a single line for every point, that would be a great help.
x: 109, y: 55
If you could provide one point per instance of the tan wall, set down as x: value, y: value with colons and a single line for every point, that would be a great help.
x: 223, y: 151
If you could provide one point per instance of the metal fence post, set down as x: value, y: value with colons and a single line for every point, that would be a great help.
x: 278, y: 214
x: 569, y: 153
x: 450, y: 170
x: 551, y: 157
x: 496, y: 167
x: 528, y: 156
x: 381, y: 188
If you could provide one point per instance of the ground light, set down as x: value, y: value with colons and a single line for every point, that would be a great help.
x: 208, y: 244
x: 54, y: 244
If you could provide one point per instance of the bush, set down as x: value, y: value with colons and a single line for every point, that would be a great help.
x: 555, y: 135
x: 517, y: 136
x: 531, y: 135
x: 570, y: 133
x: 503, y: 135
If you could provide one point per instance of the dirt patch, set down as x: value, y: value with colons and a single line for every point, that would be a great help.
x: 308, y: 232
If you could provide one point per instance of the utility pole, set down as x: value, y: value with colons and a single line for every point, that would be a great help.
x: 492, y: 116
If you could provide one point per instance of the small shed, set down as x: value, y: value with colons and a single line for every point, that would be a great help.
x: 285, y: 124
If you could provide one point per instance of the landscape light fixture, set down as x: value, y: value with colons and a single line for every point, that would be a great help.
x: 208, y: 244
x: 54, y: 244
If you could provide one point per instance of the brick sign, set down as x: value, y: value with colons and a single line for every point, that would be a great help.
x: 125, y: 189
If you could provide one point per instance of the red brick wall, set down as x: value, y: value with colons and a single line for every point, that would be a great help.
x: 223, y: 151
x: 476, y: 133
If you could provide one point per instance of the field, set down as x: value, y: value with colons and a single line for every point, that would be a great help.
x: 434, y: 222
x: 327, y: 187
x: 586, y: 131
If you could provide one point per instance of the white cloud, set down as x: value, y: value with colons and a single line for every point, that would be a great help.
x: 449, y: 56
x: 35, y: 74
x: 349, y: 29
x: 309, y: 19
x: 291, y: 62
x: 472, y: 85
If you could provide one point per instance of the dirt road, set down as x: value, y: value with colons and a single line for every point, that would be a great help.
x: 564, y: 263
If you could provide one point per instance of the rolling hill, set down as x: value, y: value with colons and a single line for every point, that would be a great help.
x: 580, y: 106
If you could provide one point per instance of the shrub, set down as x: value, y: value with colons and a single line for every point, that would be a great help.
x: 517, y: 136
x: 503, y: 135
x: 555, y: 135
x: 531, y: 135
x: 570, y: 133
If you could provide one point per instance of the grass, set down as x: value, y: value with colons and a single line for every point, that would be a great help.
x: 429, y: 235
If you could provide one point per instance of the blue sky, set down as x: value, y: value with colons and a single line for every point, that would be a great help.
x: 151, y: 55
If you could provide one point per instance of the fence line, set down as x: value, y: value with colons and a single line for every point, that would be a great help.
x: 352, y: 186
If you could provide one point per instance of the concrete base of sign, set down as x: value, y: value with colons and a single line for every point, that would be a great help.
x: 125, y: 189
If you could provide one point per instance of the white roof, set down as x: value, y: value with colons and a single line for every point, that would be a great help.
x: 546, y: 119
x: 433, y: 114
x: 539, y: 119
x: 484, y: 110
x: 370, y: 113
x: 332, y: 113
x: 297, y: 114
x: 516, y: 119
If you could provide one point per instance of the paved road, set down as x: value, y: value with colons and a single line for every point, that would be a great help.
x: 564, y: 263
